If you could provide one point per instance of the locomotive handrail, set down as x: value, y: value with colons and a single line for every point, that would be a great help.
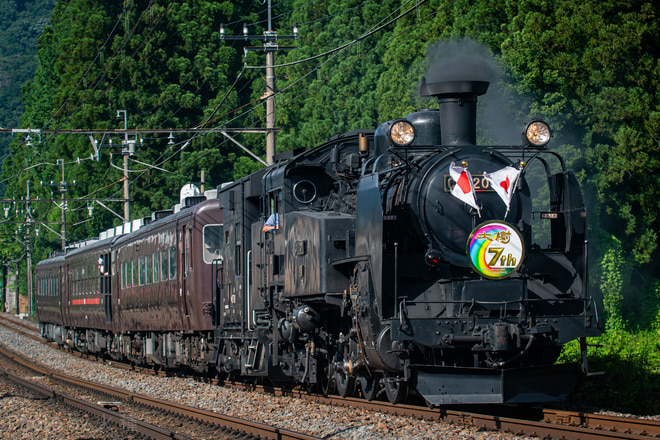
x: 375, y: 165
x: 364, y: 166
x: 504, y: 302
x: 545, y: 163
x: 373, y: 168
x: 218, y: 280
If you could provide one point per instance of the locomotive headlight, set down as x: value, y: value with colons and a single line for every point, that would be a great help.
x: 402, y: 133
x: 536, y: 133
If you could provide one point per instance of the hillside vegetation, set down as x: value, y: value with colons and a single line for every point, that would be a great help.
x: 590, y: 68
x: 21, y: 24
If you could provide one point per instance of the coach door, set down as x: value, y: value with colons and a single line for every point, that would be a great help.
x: 65, y: 290
x: 184, y: 246
x: 104, y: 284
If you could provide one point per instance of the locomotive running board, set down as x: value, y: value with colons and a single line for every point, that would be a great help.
x: 454, y: 385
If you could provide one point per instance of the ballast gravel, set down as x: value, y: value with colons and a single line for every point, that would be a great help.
x: 329, y: 422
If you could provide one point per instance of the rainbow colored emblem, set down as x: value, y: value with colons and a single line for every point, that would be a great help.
x: 495, y: 249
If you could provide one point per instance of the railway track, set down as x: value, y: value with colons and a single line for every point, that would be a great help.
x: 106, y: 415
x: 540, y: 422
x: 112, y: 405
x: 543, y: 423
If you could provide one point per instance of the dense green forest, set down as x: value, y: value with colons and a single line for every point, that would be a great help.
x: 590, y: 68
x: 21, y: 24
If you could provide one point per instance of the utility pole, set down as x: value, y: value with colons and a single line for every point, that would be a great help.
x: 270, y: 100
x: 28, y: 254
x: 63, y: 206
x: 63, y: 202
x: 270, y: 46
x: 125, y: 153
x: 127, y: 150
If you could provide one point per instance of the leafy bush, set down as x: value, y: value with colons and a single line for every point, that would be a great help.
x: 631, y: 366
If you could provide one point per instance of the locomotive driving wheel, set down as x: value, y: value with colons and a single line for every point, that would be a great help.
x: 325, y: 378
x: 396, y: 389
x: 345, y: 383
x: 370, y: 386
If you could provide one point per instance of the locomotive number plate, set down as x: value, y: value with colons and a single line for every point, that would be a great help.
x: 478, y: 181
x: 495, y: 250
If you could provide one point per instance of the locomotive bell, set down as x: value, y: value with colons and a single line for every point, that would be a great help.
x: 458, y: 108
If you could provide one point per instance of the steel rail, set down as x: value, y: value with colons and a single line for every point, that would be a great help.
x: 234, y: 424
x: 107, y: 415
x: 550, y: 423
x: 568, y: 425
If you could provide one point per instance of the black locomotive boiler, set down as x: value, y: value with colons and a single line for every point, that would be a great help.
x: 405, y: 259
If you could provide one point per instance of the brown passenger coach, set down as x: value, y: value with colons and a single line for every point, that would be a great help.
x: 151, y: 285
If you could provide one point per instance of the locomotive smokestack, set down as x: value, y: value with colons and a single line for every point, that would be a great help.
x: 458, y: 108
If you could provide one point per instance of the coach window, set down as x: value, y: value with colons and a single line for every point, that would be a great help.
x: 173, y: 262
x: 150, y: 269
x: 83, y: 280
x: 212, y: 242
x: 188, y: 246
x: 134, y: 273
x: 156, y: 266
x: 141, y: 270
x: 164, y: 264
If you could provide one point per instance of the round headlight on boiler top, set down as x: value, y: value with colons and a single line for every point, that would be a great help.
x: 536, y: 133
x: 401, y: 133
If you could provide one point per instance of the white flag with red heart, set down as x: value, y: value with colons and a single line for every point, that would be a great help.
x: 464, y: 189
x: 504, y: 183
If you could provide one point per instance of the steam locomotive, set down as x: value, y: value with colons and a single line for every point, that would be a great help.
x: 383, y: 262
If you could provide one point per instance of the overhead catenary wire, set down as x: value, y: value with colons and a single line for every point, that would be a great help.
x: 337, y: 50
x: 350, y: 43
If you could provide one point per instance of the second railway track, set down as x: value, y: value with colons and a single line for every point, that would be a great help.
x: 547, y: 423
x: 154, y: 418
